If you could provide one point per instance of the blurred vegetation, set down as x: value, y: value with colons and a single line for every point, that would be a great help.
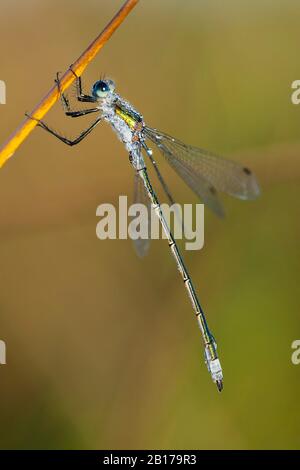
x: 102, y: 348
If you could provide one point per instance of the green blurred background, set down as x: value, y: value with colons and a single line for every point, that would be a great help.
x: 102, y: 347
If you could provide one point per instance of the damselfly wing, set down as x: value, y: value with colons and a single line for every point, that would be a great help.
x: 204, y: 172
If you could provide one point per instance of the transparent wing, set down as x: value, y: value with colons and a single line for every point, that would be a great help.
x: 205, y: 172
x: 165, y: 187
x: 140, y: 196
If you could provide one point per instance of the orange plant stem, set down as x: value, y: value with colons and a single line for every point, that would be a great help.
x: 21, y: 133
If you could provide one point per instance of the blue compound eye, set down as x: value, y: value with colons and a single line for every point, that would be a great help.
x: 101, y: 88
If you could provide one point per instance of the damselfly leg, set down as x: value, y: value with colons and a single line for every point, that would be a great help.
x: 62, y: 138
x: 80, y: 95
x: 69, y: 112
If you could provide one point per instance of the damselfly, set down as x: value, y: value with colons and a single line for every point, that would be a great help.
x: 204, y: 172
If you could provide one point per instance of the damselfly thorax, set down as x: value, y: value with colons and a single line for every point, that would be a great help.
x: 128, y: 125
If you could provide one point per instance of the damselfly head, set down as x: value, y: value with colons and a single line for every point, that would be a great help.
x: 102, y: 88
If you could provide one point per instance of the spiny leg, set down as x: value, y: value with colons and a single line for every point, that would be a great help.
x: 64, y: 100
x: 69, y: 112
x: 66, y: 104
x: 81, y: 112
x: 80, y: 95
x: 67, y: 141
